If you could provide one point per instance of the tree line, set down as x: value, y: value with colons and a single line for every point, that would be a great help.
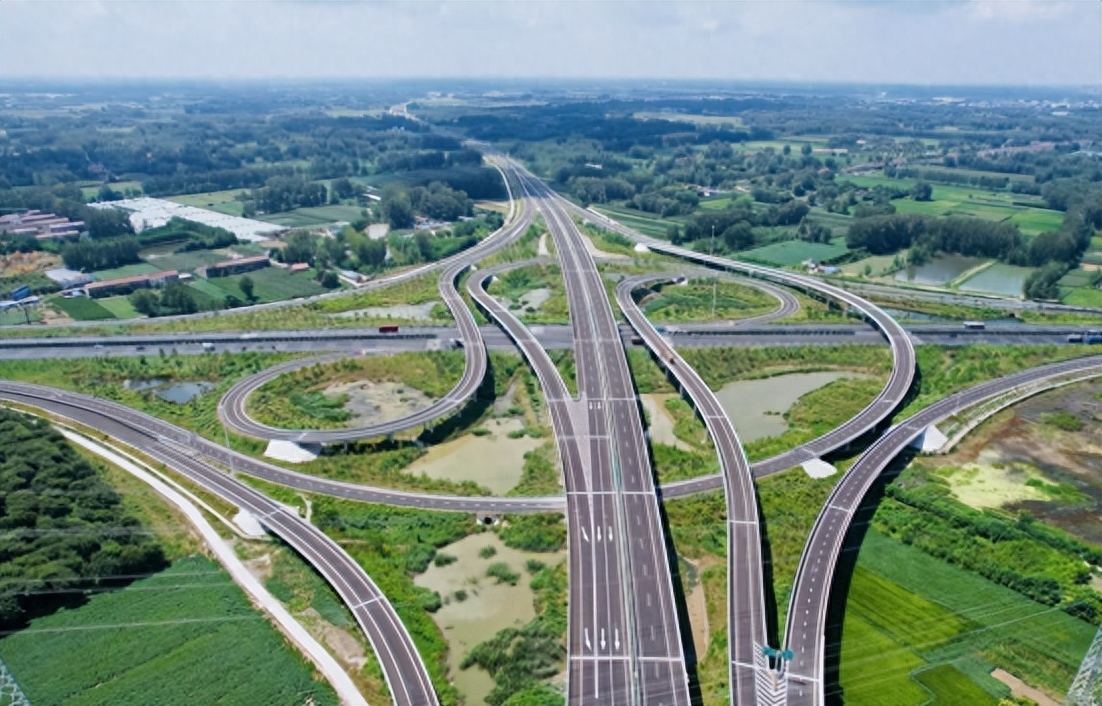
x: 63, y: 530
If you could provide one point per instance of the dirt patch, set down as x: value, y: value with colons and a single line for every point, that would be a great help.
x: 1020, y: 688
x: 376, y: 402
x: 405, y: 312
x: 597, y: 253
x: 1023, y: 438
x: 661, y: 421
x: 988, y: 482
x: 698, y: 619
x: 260, y: 567
x: 342, y: 643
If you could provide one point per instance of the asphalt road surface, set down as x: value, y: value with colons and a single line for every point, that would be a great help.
x: 232, y: 407
x: 746, y: 609
x: 634, y: 654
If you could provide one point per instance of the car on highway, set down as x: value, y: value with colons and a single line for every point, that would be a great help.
x: 1075, y: 338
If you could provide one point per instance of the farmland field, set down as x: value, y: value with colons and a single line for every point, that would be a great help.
x: 221, y: 201
x: 332, y: 213
x: 792, y: 252
x: 188, y: 261
x: 185, y: 635
x: 645, y: 223
x: 293, y: 219
x: 119, y: 306
x: 1082, y: 296
x: 81, y: 308
x: 140, y: 268
x: 943, y: 614
x: 271, y: 284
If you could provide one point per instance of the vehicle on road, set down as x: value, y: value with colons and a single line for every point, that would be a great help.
x: 975, y: 325
x: 1075, y: 338
x: 1092, y: 337
x: 388, y: 328
x: 207, y: 346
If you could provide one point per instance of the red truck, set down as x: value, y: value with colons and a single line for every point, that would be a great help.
x: 389, y: 328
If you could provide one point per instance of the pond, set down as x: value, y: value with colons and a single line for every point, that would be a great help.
x: 756, y: 407
x: 487, y: 606
x: 139, y: 385
x: 1006, y: 280
x: 939, y: 271
x: 184, y: 392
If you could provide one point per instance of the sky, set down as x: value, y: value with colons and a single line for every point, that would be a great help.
x: 939, y: 42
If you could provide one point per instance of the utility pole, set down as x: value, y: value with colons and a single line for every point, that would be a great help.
x: 715, y: 282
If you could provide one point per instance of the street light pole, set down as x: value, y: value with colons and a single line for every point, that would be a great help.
x: 715, y: 282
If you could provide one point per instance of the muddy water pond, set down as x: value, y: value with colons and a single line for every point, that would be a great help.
x: 938, y: 271
x: 756, y: 407
x: 1006, y: 280
x: 494, y: 460
x: 488, y: 607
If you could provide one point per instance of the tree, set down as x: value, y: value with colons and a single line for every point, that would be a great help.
x: 396, y: 207
x: 922, y: 191
x: 144, y: 302
x: 247, y: 288
x: 371, y: 253
x: 329, y: 280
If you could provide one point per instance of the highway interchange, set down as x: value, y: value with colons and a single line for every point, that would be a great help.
x: 625, y: 644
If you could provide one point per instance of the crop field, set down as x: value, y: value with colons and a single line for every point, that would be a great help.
x: 140, y: 268
x: 715, y: 204
x: 992, y: 624
x: 211, y: 199
x: 333, y: 213
x: 81, y: 308
x: 185, y: 635
x: 14, y: 317
x: 970, y: 201
x: 120, y: 307
x: 188, y: 261
x: 293, y: 219
x: 645, y: 223
x: 272, y: 283
x: 1082, y: 296
x: 792, y: 252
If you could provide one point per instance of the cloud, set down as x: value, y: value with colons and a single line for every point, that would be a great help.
x: 900, y: 41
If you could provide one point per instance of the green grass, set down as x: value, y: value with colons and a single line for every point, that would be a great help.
x: 1038, y: 220
x: 1047, y: 644
x: 332, y: 213
x: 15, y: 317
x: 952, y: 687
x: 185, y: 635
x: 188, y: 261
x: 792, y: 252
x: 693, y: 302
x: 645, y: 223
x: 120, y: 307
x: 141, y: 268
x: 207, y: 287
x: 274, y: 403
x: 271, y: 284
x: 81, y: 308
x: 875, y: 670
x: 293, y: 219
x: 209, y: 199
x: 1083, y: 296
